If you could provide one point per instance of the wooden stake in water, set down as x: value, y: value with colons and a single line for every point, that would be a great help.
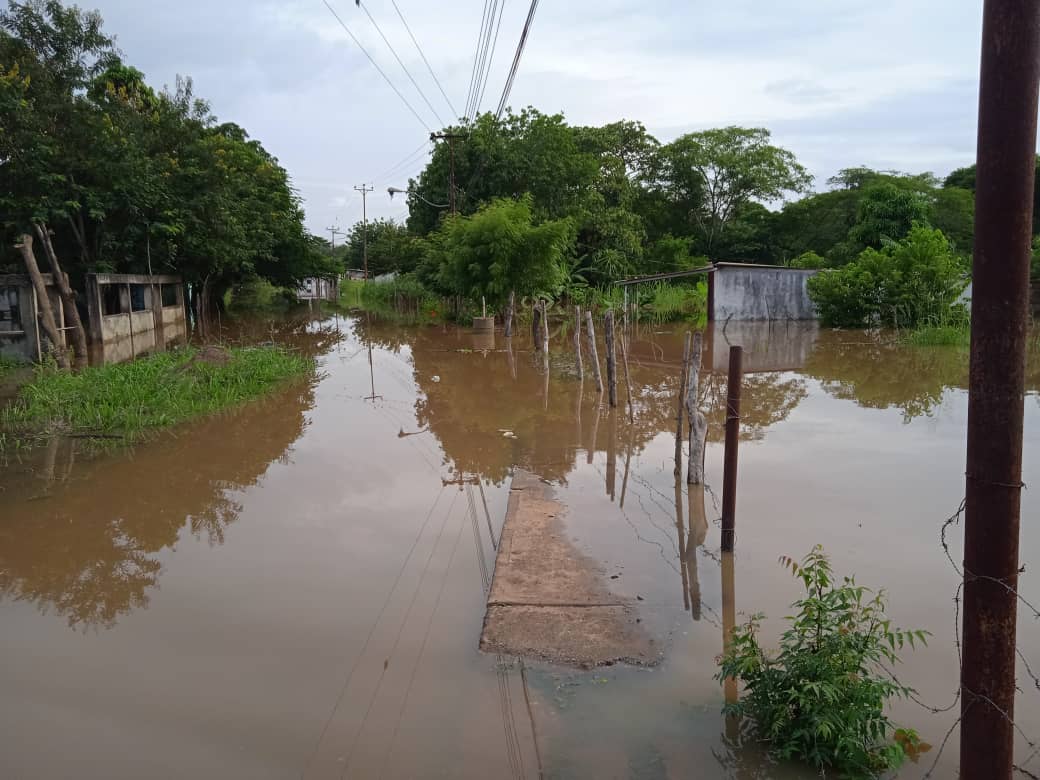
x: 679, y: 404
x: 536, y: 324
x: 545, y: 329
x: 593, y: 352
x: 577, y: 343
x: 628, y: 378
x: 698, y: 423
x: 608, y: 329
x: 509, y: 315
x: 483, y: 307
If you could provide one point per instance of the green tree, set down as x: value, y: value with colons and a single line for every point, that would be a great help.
x: 734, y: 166
x: 500, y: 250
x: 913, y: 281
x: 887, y: 211
x: 391, y: 248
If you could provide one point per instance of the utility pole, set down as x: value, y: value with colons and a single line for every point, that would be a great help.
x: 1009, y: 83
x: 450, y: 138
x: 335, y: 231
x: 364, y: 217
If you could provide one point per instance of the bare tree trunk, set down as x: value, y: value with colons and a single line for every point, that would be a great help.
x: 698, y: 423
x: 50, y: 327
x: 68, y: 298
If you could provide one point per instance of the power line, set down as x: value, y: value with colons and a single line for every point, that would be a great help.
x: 476, y: 56
x: 491, y: 59
x: 405, y: 161
x: 516, y: 59
x: 421, y: 54
x: 376, y: 66
x: 485, y: 44
x: 400, y: 62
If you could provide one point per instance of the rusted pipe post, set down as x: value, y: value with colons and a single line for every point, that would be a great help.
x: 729, y: 472
x: 679, y: 404
x: 577, y: 343
x: 593, y: 352
x: 1010, y: 76
x: 608, y: 333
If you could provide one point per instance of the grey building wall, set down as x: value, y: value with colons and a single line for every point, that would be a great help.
x: 757, y: 292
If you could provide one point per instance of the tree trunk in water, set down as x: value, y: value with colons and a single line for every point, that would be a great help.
x: 50, y: 327
x: 68, y: 298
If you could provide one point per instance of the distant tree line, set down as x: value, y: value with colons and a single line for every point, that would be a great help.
x: 122, y: 177
x: 621, y: 203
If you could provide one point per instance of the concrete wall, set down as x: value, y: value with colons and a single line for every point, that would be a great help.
x: 756, y: 292
x: 126, y: 335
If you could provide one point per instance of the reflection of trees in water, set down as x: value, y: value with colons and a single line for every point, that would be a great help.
x: 83, y: 544
x: 478, y: 395
x: 880, y: 374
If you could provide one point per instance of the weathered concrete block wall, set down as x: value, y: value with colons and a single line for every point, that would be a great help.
x: 121, y: 333
x: 756, y: 292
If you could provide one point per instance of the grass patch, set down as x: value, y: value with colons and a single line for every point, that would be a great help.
x: 9, y: 365
x: 674, y: 302
x: 404, y: 299
x: 132, y: 399
x: 939, y: 336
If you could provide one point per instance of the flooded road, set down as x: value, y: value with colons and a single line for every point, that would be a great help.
x: 297, y: 588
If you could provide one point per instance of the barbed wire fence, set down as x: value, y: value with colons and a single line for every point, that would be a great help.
x: 961, y: 692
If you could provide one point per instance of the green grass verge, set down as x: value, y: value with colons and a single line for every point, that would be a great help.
x: 9, y: 365
x: 131, y: 399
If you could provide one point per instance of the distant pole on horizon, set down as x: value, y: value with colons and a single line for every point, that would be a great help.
x: 335, y: 231
x: 364, y: 220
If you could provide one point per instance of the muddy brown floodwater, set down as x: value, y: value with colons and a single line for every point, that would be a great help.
x: 297, y: 589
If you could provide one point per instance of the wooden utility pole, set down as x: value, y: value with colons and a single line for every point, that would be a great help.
x: 1006, y: 157
x: 335, y: 231
x: 364, y: 221
x: 451, y: 138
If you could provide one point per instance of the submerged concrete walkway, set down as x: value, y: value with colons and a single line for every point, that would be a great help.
x: 550, y: 601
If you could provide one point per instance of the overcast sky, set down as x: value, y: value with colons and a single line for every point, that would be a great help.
x: 883, y: 83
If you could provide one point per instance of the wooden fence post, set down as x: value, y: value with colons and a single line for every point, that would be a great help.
x: 698, y: 423
x: 593, y: 352
x: 679, y: 404
x: 608, y: 328
x: 577, y: 343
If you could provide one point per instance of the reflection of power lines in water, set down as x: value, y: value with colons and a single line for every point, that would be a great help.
x: 400, y: 631
x: 371, y: 631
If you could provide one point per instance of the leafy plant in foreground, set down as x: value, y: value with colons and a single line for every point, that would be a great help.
x: 821, y: 697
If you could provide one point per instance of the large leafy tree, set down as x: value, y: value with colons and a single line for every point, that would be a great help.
x: 391, y: 248
x: 500, y: 250
x: 734, y: 166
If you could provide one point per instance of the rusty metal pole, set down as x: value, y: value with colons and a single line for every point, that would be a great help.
x: 729, y: 464
x: 1009, y: 80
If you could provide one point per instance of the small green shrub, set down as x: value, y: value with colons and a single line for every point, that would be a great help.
x: 821, y: 698
x: 905, y: 283
x: 674, y: 302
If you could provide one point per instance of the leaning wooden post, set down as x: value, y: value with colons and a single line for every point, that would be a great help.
x: 608, y: 330
x: 545, y: 327
x: 577, y: 343
x: 698, y: 423
x: 593, y: 352
x: 628, y: 377
x: 536, y: 324
x: 46, y: 311
x: 729, y: 475
x: 679, y: 404
x: 509, y: 315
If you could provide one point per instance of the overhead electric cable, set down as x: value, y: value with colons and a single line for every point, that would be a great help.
x: 376, y: 66
x: 516, y: 59
x: 418, y: 48
x: 491, y: 59
x: 476, y: 58
x: 482, y: 64
x: 400, y: 62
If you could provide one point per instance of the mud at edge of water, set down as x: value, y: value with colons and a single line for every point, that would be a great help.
x: 550, y: 601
